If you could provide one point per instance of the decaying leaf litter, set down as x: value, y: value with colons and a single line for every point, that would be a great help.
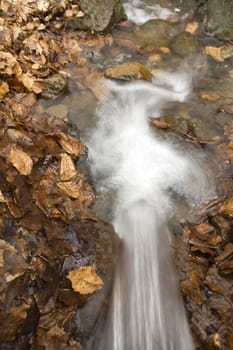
x: 54, y: 252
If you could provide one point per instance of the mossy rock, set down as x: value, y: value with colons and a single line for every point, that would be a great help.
x: 99, y: 16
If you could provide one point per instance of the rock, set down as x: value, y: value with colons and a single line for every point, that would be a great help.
x: 53, y: 86
x: 99, y: 15
x: 128, y: 71
x: 217, y: 16
x: 156, y: 32
x: 185, y: 44
x: 58, y: 111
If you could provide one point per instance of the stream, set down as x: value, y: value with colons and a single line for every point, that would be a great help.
x: 144, y: 171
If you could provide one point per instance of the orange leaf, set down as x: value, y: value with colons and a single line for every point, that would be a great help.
x: 85, y: 280
x: 21, y: 161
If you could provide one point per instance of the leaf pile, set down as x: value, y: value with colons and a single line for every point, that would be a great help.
x: 206, y: 260
x: 47, y: 232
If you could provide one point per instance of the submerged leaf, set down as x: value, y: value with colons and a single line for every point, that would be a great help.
x: 85, y: 280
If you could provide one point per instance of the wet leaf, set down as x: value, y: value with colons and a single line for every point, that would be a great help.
x: 191, y: 289
x: 21, y: 161
x: 128, y: 71
x: 214, y: 52
x: 227, y: 207
x: 209, y: 96
x: 160, y: 123
x: 192, y: 27
x: 85, y: 280
x: 2, y: 199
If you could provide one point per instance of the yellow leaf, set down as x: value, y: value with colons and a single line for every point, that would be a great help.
x: 31, y: 83
x: 21, y: 161
x: 85, y: 280
x: 214, y: 52
x: 71, y: 189
x: 192, y: 27
x: 67, y: 168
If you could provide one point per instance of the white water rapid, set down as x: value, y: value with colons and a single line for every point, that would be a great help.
x: 143, y: 172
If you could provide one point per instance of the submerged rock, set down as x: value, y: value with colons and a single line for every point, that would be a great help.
x: 156, y: 32
x: 53, y: 86
x: 217, y: 16
x: 58, y: 111
x: 99, y: 15
x: 185, y: 44
x: 128, y: 71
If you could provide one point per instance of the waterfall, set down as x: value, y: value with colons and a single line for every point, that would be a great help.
x: 143, y: 172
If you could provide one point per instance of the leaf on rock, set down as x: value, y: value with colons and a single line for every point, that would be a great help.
x: 214, y: 52
x: 21, y: 161
x: 227, y: 108
x: 67, y: 168
x: 85, y: 280
x: 191, y: 289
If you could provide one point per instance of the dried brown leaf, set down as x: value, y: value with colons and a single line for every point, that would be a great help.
x: 71, y: 145
x: 227, y: 207
x: 4, y: 89
x: 162, y: 124
x: 67, y: 168
x: 85, y: 280
x: 71, y: 189
x: 31, y: 83
x: 2, y: 199
x: 21, y: 161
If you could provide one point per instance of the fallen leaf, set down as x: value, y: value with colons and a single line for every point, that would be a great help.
x: 2, y: 199
x: 21, y: 161
x: 164, y: 49
x: 71, y: 189
x: 209, y: 96
x: 67, y: 168
x: 4, y: 89
x: 85, y: 280
x: 227, y: 108
x: 31, y: 83
x: 227, y: 207
x: 192, y: 27
x: 214, y: 52
x: 128, y: 71
x: 191, y: 289
x: 71, y: 145
x: 162, y: 124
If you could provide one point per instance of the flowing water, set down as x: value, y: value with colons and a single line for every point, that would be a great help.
x: 144, y: 173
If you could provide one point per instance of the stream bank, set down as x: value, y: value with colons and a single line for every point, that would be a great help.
x: 35, y: 287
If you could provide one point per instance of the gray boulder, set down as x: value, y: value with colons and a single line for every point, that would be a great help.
x: 99, y: 16
x: 217, y: 16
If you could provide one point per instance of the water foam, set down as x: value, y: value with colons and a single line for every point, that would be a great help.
x: 127, y: 158
x: 140, y: 13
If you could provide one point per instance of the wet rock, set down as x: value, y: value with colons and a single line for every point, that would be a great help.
x: 82, y: 110
x: 185, y: 44
x: 58, y: 111
x: 128, y: 71
x: 53, y: 86
x: 217, y: 18
x: 156, y: 32
x: 99, y: 15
